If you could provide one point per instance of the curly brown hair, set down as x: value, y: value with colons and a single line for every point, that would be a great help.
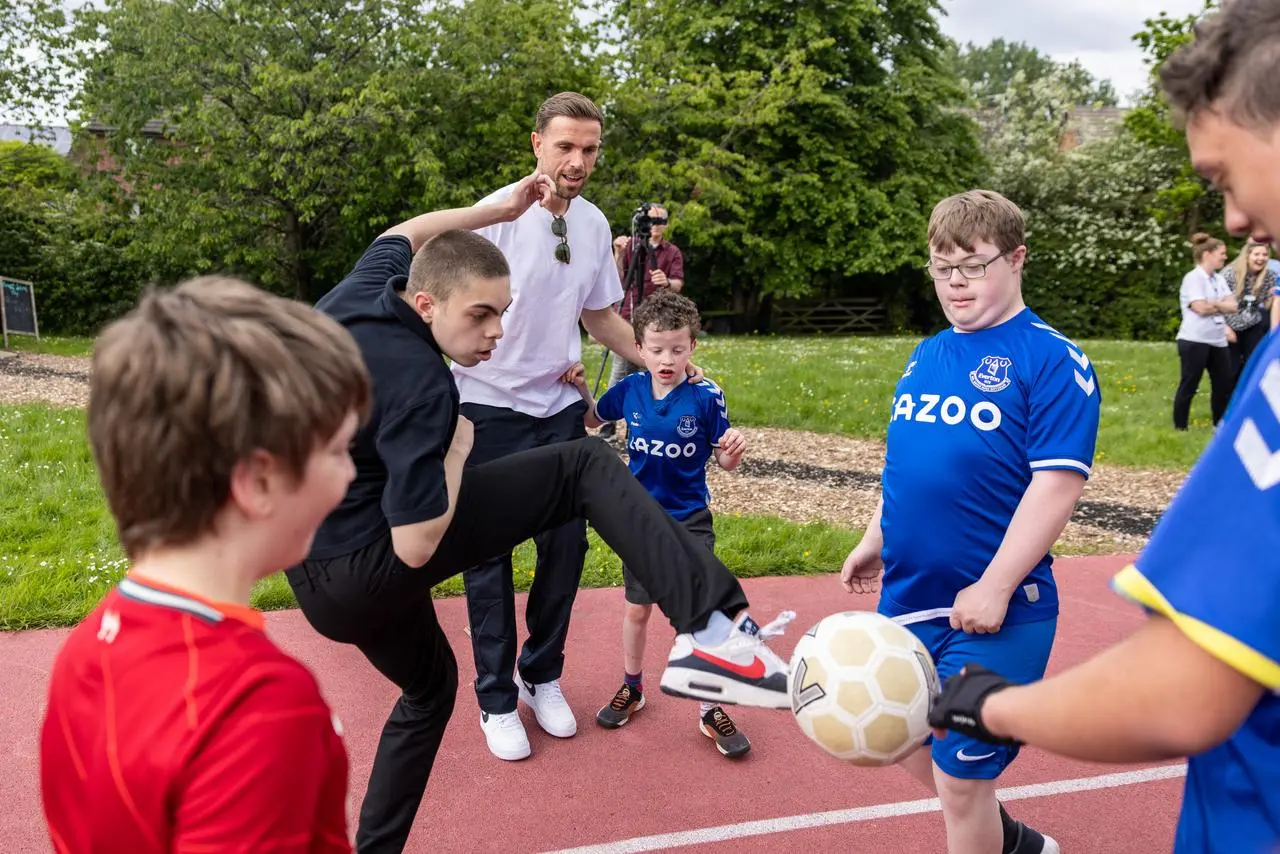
x: 666, y: 311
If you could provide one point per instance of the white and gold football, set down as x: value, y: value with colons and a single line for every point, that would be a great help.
x: 860, y: 688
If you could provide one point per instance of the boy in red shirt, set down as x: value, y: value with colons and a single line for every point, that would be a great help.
x: 219, y: 418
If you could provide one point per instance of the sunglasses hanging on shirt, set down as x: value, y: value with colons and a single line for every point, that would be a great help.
x: 561, y: 230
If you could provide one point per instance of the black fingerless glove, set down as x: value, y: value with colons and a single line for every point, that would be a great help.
x: 959, y: 707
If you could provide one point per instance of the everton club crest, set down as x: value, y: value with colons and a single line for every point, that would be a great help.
x: 688, y: 426
x: 992, y: 374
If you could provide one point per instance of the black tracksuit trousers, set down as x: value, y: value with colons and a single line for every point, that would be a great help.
x: 373, y: 600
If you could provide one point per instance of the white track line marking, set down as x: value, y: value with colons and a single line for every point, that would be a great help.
x: 826, y: 819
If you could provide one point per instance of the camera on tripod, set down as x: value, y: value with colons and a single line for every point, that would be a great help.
x: 642, y: 223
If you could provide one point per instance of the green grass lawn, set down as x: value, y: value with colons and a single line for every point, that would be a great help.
x: 845, y: 385
x: 58, y: 553
x: 56, y: 345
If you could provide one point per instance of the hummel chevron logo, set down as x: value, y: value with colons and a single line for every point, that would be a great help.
x: 1262, y: 463
x: 1087, y: 385
x: 1055, y: 333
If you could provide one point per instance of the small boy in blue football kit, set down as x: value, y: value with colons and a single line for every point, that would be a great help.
x: 989, y: 445
x: 673, y: 428
x: 1200, y: 677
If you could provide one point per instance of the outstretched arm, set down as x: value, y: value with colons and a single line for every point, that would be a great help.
x: 420, y: 229
x: 1156, y: 695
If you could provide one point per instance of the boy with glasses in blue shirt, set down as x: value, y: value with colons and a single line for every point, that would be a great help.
x: 989, y: 445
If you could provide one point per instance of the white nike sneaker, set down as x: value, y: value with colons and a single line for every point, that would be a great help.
x: 505, y: 735
x: 549, y: 707
x: 741, y: 670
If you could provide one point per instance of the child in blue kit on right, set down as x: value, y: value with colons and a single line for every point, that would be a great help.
x: 673, y: 427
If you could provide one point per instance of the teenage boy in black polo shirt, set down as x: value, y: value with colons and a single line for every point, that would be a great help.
x: 428, y: 289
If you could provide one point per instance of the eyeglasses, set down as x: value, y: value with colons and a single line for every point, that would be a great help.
x: 560, y: 230
x: 970, y: 270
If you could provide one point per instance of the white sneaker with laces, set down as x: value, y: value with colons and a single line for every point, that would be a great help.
x: 505, y: 735
x: 740, y: 670
x: 549, y: 707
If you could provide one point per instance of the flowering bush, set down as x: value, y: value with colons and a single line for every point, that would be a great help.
x: 1100, y: 262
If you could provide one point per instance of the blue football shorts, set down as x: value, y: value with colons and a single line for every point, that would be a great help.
x: 1018, y: 652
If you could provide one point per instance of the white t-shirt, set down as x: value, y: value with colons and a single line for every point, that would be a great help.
x: 1203, y: 330
x: 540, y: 331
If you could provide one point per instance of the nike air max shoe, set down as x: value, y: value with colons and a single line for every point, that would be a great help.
x: 740, y: 670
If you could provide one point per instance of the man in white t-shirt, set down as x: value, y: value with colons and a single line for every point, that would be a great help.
x: 562, y: 271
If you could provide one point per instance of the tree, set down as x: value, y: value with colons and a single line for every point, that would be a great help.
x: 1099, y: 263
x: 492, y: 63
x: 33, y: 34
x: 284, y: 126
x: 294, y: 131
x: 798, y: 145
x: 1187, y: 200
x: 34, y: 167
x: 1024, y: 125
x: 58, y: 231
x: 990, y: 70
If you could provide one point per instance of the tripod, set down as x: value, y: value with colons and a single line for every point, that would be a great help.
x: 643, y: 259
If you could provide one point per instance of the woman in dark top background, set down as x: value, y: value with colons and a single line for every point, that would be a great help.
x: 1251, y: 283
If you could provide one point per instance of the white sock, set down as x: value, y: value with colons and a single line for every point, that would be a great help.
x: 716, y: 631
x: 703, y: 708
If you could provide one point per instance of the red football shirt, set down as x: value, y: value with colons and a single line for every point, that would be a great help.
x: 175, y: 725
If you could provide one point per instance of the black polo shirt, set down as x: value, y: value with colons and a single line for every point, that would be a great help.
x: 399, y: 454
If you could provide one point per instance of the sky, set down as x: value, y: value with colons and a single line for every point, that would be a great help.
x: 1098, y: 33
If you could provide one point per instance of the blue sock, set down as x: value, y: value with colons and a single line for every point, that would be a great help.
x: 633, y: 679
x: 716, y: 631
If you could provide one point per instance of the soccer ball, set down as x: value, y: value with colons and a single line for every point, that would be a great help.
x: 860, y: 688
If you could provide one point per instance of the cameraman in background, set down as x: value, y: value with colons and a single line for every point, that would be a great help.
x: 659, y: 265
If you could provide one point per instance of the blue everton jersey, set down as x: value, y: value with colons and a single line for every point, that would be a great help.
x: 669, y: 440
x: 1222, y: 588
x: 975, y: 414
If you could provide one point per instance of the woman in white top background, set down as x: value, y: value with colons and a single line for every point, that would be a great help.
x: 1202, y: 337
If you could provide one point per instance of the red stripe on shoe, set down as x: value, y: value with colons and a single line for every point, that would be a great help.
x: 755, y: 670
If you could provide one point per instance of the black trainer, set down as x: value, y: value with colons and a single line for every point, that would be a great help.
x: 719, y: 727
x: 624, y: 704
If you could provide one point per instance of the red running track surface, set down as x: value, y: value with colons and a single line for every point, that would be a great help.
x: 659, y: 775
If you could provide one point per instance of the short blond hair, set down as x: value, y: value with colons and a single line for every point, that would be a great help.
x: 196, y: 379
x: 570, y: 105
x: 966, y: 218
